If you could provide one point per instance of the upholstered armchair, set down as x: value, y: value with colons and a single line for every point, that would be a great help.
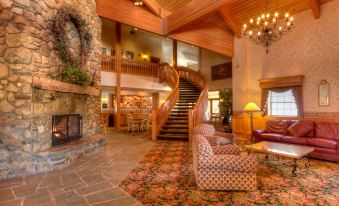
x: 213, y: 137
x: 222, y: 167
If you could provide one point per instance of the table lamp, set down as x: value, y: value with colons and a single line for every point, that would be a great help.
x: 251, y: 108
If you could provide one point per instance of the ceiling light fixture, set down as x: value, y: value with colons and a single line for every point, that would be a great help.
x: 138, y: 2
x: 267, y: 29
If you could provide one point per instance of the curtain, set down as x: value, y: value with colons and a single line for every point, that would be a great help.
x: 264, y: 97
x: 296, y: 91
x: 298, y: 96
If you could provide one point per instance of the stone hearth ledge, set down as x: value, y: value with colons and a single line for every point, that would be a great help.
x: 58, y: 157
x: 59, y: 86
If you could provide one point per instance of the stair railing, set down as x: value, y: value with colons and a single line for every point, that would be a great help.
x: 197, y: 114
x: 168, y: 75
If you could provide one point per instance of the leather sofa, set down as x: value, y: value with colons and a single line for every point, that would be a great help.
x: 322, y: 136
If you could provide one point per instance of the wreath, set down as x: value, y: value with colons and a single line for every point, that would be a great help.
x: 73, y: 62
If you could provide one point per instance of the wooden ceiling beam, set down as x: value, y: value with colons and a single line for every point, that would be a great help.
x: 230, y: 20
x: 125, y: 12
x: 315, y: 6
x: 191, y: 12
x: 155, y: 7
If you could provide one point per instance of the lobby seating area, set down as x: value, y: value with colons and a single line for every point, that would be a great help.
x: 322, y: 136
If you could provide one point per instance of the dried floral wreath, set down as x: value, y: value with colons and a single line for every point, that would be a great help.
x: 72, y: 72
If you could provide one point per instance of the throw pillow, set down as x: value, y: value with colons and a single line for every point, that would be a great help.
x: 277, y: 126
x: 301, y: 128
x: 222, y: 141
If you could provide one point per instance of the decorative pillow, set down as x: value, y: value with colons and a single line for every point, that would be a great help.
x: 301, y: 128
x: 222, y: 141
x: 277, y: 126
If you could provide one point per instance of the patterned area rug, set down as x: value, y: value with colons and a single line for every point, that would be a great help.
x: 165, y: 177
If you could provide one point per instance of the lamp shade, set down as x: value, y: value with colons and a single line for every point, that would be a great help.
x: 251, y: 107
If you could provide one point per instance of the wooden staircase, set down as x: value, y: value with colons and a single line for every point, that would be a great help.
x: 176, y: 126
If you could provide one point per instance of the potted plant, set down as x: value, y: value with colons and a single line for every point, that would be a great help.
x: 225, y: 109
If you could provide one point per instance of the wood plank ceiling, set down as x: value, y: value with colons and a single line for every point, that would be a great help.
x: 188, y: 20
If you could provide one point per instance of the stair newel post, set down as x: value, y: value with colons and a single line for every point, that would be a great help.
x: 154, y: 124
x: 190, y: 124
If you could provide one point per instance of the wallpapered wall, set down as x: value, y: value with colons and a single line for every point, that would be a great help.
x: 311, y: 49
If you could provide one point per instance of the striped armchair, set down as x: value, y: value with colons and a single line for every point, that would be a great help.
x: 222, y: 167
x: 213, y: 137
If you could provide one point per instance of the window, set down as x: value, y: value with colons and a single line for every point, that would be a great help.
x: 213, y: 104
x: 282, y: 104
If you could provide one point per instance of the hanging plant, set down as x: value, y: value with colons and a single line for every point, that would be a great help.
x: 73, y: 62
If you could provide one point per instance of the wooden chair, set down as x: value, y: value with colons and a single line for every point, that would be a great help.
x: 131, y: 124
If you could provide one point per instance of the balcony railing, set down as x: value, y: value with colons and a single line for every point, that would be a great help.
x: 130, y: 67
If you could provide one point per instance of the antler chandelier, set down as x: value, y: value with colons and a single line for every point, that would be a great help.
x: 268, y: 28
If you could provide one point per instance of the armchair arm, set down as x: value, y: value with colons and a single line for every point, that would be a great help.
x: 258, y: 133
x: 231, y: 137
x: 226, y: 149
x: 233, y: 163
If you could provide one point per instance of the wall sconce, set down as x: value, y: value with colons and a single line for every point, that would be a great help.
x: 144, y: 56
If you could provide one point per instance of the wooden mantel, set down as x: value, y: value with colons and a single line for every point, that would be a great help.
x: 59, y: 86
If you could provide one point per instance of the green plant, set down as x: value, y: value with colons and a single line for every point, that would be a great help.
x: 226, y: 105
x: 75, y: 75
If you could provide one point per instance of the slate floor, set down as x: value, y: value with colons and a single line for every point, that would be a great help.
x: 92, y: 180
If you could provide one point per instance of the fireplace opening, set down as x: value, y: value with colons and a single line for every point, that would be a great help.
x: 66, y: 128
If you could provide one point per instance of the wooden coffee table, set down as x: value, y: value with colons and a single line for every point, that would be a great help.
x: 294, y: 152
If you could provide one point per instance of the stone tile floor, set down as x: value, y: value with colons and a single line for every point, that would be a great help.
x: 92, y: 180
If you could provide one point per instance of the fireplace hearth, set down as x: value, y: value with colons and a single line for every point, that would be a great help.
x: 66, y: 128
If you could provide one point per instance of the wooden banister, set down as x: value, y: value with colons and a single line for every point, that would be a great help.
x: 130, y: 67
x: 197, y: 114
x: 168, y: 75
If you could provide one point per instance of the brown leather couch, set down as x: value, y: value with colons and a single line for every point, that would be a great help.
x: 322, y: 136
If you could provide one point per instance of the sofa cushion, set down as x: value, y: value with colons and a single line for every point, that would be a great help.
x: 277, y: 126
x: 203, y: 146
x: 294, y: 140
x: 327, y: 130
x: 301, y: 128
x: 271, y: 137
x: 324, y: 143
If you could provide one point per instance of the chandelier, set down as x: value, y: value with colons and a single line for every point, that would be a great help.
x: 268, y: 28
x: 138, y: 2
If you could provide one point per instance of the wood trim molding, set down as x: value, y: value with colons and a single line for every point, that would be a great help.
x: 315, y: 7
x: 55, y: 85
x: 282, y: 81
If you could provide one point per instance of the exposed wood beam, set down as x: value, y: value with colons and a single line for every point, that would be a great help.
x: 230, y: 20
x: 315, y: 6
x: 125, y: 12
x: 191, y: 12
x: 155, y: 7
x: 214, y: 38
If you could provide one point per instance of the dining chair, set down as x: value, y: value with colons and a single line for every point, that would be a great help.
x: 131, y: 124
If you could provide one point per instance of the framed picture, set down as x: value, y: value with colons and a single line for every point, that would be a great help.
x: 103, y: 51
x: 155, y: 60
x: 104, y: 106
x: 221, y: 71
x: 129, y: 55
x: 112, y: 52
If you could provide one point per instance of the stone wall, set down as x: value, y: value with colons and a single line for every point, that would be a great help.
x: 27, y: 50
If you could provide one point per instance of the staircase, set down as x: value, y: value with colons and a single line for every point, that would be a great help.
x: 176, y: 126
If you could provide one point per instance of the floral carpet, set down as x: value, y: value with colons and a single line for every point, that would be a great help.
x: 165, y: 177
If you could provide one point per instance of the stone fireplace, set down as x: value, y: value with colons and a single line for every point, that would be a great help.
x: 66, y: 128
x: 32, y: 97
